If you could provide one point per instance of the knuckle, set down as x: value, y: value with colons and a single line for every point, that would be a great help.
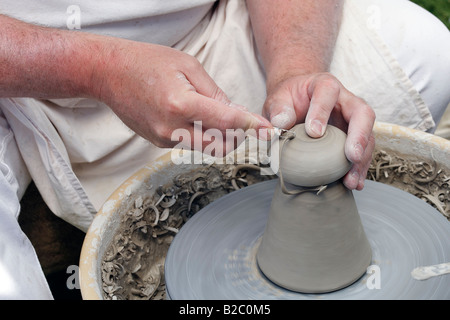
x: 371, y: 113
x: 220, y: 95
x: 192, y: 63
x: 368, y: 112
x: 366, y: 108
x: 175, y: 106
x: 330, y: 81
x: 331, y: 84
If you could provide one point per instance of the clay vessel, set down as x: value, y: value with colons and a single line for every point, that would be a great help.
x: 314, y: 241
x: 308, y: 162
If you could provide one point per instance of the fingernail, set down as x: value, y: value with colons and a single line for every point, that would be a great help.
x: 317, y: 128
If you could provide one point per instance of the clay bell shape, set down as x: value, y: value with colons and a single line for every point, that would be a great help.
x: 314, y: 242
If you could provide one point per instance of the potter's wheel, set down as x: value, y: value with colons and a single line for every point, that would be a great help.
x: 213, y: 255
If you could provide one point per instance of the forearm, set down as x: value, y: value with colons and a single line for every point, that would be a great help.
x: 296, y: 40
x: 295, y: 37
x: 155, y: 90
x: 45, y: 63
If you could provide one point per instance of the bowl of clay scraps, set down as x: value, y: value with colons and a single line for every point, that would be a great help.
x: 125, y: 247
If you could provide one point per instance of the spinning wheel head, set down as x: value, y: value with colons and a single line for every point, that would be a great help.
x: 214, y: 254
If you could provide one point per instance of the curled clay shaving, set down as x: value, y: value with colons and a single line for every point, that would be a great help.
x: 423, y: 179
x: 239, y: 173
x: 133, y: 264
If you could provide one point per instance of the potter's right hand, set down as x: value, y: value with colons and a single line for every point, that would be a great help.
x: 156, y: 89
x: 318, y: 99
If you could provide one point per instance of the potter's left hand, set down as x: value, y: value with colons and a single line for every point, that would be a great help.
x: 318, y: 99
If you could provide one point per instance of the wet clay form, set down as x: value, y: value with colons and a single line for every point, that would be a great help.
x: 314, y: 240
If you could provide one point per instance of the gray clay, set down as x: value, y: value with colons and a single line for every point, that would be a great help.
x: 314, y: 241
x: 308, y: 162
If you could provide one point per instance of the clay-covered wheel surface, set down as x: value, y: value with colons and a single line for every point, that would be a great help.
x: 213, y: 255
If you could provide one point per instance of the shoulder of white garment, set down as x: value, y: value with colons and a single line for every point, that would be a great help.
x: 149, y: 20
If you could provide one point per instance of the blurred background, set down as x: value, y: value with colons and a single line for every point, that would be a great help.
x: 440, y: 8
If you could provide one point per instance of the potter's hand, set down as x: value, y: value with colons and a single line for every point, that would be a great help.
x: 319, y: 99
x: 156, y: 90
x: 153, y: 89
x: 296, y: 40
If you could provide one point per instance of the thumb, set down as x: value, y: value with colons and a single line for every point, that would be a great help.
x: 281, y: 114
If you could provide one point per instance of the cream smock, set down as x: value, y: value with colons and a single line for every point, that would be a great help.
x: 77, y: 151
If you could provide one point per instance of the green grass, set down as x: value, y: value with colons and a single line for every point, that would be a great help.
x: 440, y: 8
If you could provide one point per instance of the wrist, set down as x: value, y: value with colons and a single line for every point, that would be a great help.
x: 97, y: 61
x: 287, y: 68
x: 83, y: 64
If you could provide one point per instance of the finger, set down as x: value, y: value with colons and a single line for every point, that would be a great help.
x: 207, y: 87
x: 355, y: 178
x: 324, y: 92
x: 360, y: 118
x: 217, y: 115
x: 360, y: 140
x: 214, y: 107
x: 197, y: 76
x: 368, y: 160
x: 211, y: 141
